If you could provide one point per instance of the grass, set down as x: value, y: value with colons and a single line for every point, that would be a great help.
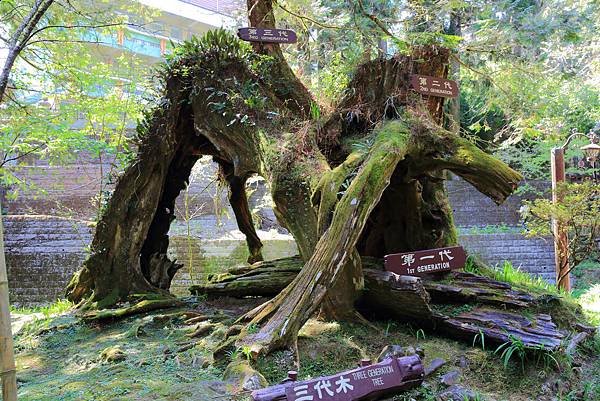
x: 58, y: 307
x: 507, y: 273
x: 590, y: 302
x: 66, y: 363
x: 489, y: 229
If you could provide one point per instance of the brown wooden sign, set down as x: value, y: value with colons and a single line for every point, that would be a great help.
x: 367, y: 382
x: 429, y: 261
x: 433, y: 86
x: 269, y: 35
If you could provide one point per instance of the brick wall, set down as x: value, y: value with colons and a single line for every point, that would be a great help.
x: 42, y: 253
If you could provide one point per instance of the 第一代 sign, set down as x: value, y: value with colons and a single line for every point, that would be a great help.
x: 434, y: 86
x: 429, y: 261
x: 349, y: 385
x: 268, y: 35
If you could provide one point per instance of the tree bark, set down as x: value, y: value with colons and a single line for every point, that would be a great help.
x: 281, y: 318
x: 19, y: 40
x: 8, y: 370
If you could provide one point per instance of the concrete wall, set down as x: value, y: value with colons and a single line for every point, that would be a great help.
x: 47, y: 235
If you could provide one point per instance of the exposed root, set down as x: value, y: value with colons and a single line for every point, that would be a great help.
x: 196, y: 319
x: 201, y: 329
x: 140, y: 307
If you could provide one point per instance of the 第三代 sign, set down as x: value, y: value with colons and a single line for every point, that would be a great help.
x: 434, y: 86
x: 429, y: 261
x: 268, y: 35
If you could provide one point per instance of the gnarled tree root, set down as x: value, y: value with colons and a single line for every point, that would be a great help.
x: 143, y: 306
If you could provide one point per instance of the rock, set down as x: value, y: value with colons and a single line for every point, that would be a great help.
x: 243, y: 376
x: 112, y: 354
x: 434, y: 366
x: 450, y: 378
x: 463, y: 362
x: 390, y: 351
x: 458, y: 393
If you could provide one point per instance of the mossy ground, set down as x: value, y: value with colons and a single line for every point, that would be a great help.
x: 67, y: 363
x: 70, y: 363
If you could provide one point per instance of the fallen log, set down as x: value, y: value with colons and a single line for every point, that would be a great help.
x: 403, y: 297
x: 266, y: 278
x: 463, y: 287
x: 260, y: 279
x: 460, y: 304
x: 461, y: 319
x: 537, y: 332
x: 365, y: 383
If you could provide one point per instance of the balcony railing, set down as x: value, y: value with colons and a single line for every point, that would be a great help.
x: 226, y: 7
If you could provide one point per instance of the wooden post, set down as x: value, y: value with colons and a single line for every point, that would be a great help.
x: 7, y: 356
x: 561, y: 240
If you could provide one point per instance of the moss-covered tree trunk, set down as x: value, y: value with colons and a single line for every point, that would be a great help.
x: 365, y: 180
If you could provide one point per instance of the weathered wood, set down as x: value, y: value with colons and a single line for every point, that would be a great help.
x: 463, y: 287
x: 282, y: 317
x: 535, y: 332
x: 402, y: 296
x: 392, y: 376
x: 260, y: 279
x: 575, y: 341
x: 427, y: 301
x: 8, y: 372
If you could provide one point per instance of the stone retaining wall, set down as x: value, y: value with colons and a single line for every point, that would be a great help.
x: 533, y: 255
x: 44, y: 251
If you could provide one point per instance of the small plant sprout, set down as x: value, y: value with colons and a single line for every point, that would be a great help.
x: 420, y: 334
x: 481, y: 337
x: 252, y: 328
x: 247, y: 351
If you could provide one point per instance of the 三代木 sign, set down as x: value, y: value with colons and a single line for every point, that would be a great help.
x: 349, y: 385
x: 429, y: 261
x: 434, y: 86
x: 268, y: 35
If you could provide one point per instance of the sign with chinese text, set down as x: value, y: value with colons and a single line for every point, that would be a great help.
x: 353, y: 384
x: 269, y: 35
x: 433, y: 86
x: 429, y: 261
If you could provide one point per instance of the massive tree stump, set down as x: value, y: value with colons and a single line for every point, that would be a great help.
x: 363, y: 180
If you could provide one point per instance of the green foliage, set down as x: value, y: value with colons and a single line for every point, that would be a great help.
x: 514, y: 347
x: 577, y: 212
x: 481, y: 338
x: 64, y: 101
x: 590, y: 302
x: 56, y: 308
